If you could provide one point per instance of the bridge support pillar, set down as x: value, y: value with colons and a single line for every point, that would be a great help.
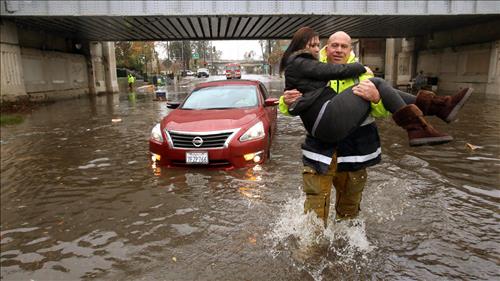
x: 96, y: 70
x: 102, y: 68
x: 407, y: 60
x: 493, y: 84
x: 108, y: 50
x: 392, y: 48
x: 11, y: 72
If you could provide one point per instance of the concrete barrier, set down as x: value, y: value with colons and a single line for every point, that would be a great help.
x: 50, y: 76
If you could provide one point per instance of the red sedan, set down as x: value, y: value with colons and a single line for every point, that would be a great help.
x: 227, y: 124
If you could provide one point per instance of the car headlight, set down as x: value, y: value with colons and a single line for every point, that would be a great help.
x: 156, y: 133
x: 255, y: 132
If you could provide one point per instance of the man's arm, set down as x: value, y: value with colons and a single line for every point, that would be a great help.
x: 367, y: 90
x: 288, y: 97
x: 326, y: 71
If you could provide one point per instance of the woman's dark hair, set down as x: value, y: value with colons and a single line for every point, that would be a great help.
x: 299, y: 41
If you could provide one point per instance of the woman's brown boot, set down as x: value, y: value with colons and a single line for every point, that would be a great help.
x: 419, y: 131
x: 444, y: 107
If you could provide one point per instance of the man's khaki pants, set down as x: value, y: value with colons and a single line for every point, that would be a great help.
x: 348, y: 186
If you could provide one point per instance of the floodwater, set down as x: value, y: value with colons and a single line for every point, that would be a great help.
x: 81, y: 199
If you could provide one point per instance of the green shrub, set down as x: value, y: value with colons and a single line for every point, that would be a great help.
x: 10, y: 119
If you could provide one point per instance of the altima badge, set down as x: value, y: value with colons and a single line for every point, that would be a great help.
x: 197, y: 141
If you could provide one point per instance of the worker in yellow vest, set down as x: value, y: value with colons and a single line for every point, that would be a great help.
x: 131, y: 81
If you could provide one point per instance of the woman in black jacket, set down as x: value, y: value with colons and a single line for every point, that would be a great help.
x: 329, y: 116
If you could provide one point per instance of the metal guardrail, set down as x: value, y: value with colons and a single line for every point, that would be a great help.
x: 191, y: 8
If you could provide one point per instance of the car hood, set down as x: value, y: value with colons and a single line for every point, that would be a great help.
x: 208, y: 120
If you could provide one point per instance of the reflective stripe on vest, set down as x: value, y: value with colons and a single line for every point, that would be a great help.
x: 359, y: 158
x: 317, y: 157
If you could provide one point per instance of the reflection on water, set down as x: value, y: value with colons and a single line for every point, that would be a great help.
x: 81, y: 198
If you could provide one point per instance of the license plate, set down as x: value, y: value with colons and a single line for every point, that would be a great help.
x: 199, y: 157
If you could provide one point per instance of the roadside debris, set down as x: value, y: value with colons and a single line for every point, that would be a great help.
x: 472, y: 147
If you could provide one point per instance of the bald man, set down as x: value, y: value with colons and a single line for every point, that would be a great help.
x: 346, y: 168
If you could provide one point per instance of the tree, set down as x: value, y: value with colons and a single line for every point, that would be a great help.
x: 180, y: 51
x: 272, y: 51
x: 249, y: 55
x: 165, y: 45
x: 205, y: 50
x: 167, y: 63
x: 218, y: 55
x: 276, y: 52
x: 134, y: 55
x: 263, y: 46
x: 123, y: 52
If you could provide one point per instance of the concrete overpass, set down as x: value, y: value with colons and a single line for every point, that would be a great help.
x: 211, y: 20
x: 249, y: 66
x: 52, y: 49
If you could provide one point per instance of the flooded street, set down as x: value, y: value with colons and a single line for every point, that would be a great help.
x: 81, y: 199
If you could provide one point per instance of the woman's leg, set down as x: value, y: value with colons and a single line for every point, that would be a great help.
x: 392, y: 99
x: 409, y: 117
x: 407, y: 98
x: 340, y: 116
x: 444, y: 107
x: 345, y: 112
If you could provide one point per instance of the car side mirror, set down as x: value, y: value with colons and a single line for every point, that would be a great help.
x: 271, y: 102
x: 173, y: 105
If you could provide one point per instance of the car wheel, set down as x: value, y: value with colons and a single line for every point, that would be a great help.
x: 269, y: 147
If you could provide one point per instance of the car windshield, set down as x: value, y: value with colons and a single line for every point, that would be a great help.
x: 232, y: 67
x: 222, y: 97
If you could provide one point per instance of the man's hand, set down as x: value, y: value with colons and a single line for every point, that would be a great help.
x: 367, y: 90
x: 290, y: 96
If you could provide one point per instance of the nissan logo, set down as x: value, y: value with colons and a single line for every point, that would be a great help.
x: 197, y: 141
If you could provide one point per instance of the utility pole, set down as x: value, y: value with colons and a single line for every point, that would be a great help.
x: 268, y: 56
x: 214, y: 71
x: 182, y: 56
x: 168, y: 50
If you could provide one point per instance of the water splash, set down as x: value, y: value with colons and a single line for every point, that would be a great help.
x: 314, y: 249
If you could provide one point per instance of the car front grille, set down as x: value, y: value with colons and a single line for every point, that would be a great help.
x: 208, y: 139
x: 212, y: 163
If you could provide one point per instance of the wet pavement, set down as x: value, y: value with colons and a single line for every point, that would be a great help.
x: 81, y: 199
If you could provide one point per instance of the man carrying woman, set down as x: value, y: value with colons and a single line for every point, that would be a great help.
x: 337, y: 118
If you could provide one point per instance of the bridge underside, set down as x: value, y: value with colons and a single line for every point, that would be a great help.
x: 167, y: 28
